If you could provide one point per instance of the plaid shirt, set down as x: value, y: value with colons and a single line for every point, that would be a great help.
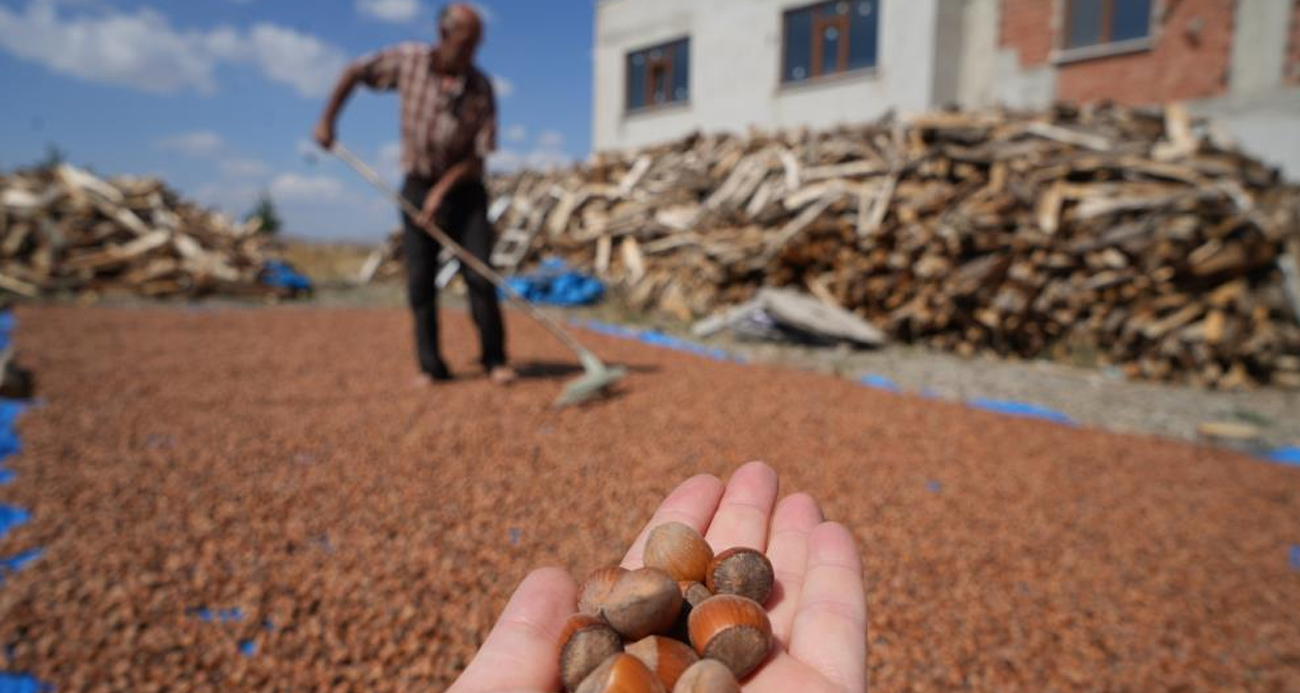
x: 443, y: 124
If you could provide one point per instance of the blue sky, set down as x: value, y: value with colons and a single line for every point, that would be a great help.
x: 219, y: 96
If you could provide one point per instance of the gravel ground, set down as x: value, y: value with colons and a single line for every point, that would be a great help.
x: 278, y: 461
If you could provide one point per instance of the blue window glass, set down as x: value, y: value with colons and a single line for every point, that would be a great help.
x: 830, y: 37
x: 659, y: 75
x: 1084, y: 22
x: 1096, y: 22
x: 681, y: 71
x: 863, y: 23
x: 1131, y: 20
x: 798, y: 45
x: 636, y: 74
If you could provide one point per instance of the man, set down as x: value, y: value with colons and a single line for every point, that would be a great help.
x: 449, y: 125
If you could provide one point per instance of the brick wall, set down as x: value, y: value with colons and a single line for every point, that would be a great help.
x: 1189, y: 58
x: 1026, y: 26
x: 1293, y: 48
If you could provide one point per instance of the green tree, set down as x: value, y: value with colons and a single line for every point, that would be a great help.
x: 265, y: 213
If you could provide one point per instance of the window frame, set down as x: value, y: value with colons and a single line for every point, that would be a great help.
x: 819, y: 24
x: 1107, y: 47
x: 663, y: 66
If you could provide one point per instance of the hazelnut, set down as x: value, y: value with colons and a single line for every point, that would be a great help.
x: 733, y: 630
x: 694, y: 592
x: 666, y: 657
x: 707, y: 676
x: 643, y: 602
x: 679, y: 551
x: 595, y: 590
x: 742, y: 571
x: 585, y: 643
x: 621, y: 673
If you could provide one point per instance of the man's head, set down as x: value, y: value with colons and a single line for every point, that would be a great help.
x: 460, y: 30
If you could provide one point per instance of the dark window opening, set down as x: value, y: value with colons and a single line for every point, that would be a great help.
x: 829, y: 38
x: 659, y: 76
x: 1098, y: 22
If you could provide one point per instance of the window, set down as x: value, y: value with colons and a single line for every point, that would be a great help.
x: 829, y: 38
x: 659, y: 76
x: 1097, y: 22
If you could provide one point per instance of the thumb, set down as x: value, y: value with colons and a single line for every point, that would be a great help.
x: 520, y: 652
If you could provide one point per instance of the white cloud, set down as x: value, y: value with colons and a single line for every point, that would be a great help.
x: 142, y: 50
x: 139, y: 50
x: 244, y: 168
x: 200, y: 143
x: 233, y: 199
x: 550, y: 139
x: 390, y: 160
x: 299, y: 60
x: 396, y: 11
x: 516, y: 133
x: 505, y: 161
x: 503, y: 87
x: 292, y: 187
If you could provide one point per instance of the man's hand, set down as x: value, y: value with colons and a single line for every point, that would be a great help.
x: 432, y: 202
x: 818, y: 608
x: 324, y: 134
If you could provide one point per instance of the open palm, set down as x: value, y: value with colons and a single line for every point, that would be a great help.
x: 818, y: 607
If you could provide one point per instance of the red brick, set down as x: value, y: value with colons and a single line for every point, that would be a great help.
x: 1180, y: 65
x: 1026, y: 26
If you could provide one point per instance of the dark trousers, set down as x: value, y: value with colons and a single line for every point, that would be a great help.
x: 464, y: 217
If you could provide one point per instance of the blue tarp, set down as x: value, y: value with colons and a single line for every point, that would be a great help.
x: 658, y: 339
x: 7, y: 324
x: 554, y: 284
x: 1295, y: 557
x: 1021, y: 409
x: 11, y: 517
x: 879, y: 382
x: 282, y: 275
x: 1288, y: 456
x: 220, y: 616
x: 21, y: 683
x: 14, y: 564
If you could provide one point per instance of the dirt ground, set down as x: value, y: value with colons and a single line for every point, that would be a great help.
x: 351, y: 532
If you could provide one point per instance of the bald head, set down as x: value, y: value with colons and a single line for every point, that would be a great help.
x: 460, y: 15
x: 461, y: 30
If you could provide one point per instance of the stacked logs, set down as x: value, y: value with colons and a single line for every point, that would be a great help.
x: 1138, y: 238
x: 65, y: 230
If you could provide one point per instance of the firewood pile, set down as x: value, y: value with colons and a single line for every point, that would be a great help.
x: 64, y: 230
x: 1134, y: 238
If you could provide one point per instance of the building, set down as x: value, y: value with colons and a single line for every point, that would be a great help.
x: 667, y: 68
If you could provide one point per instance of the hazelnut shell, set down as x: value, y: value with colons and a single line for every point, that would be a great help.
x: 733, y: 630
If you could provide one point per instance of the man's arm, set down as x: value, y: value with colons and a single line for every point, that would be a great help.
x: 348, y: 81
x: 469, y: 169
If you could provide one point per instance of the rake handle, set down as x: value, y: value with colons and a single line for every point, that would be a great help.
x: 466, y: 257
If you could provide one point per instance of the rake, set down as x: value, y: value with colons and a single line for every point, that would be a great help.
x: 596, y: 377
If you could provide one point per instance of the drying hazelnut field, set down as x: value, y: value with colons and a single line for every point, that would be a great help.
x: 239, y: 499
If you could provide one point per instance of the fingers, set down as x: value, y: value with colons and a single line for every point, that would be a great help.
x: 742, y: 516
x: 830, y: 626
x: 795, y: 518
x: 520, y: 651
x: 692, y: 503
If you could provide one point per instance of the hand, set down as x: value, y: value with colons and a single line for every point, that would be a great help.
x: 324, y: 134
x: 432, y: 202
x: 818, y: 608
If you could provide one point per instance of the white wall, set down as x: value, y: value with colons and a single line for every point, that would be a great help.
x: 1259, y: 46
x: 735, y: 69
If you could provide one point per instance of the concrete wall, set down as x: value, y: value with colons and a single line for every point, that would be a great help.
x: 1264, y: 124
x: 735, y: 69
x: 1260, y: 47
